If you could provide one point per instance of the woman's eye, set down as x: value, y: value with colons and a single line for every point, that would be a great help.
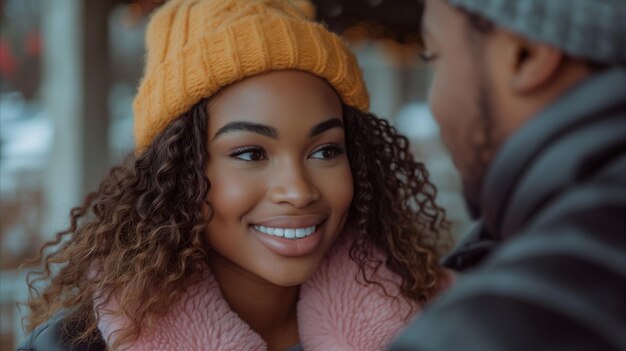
x: 249, y: 154
x: 327, y: 152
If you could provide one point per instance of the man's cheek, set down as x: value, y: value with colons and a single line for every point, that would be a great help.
x: 439, y: 101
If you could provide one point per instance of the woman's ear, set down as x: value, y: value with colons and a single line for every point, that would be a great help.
x: 533, y: 64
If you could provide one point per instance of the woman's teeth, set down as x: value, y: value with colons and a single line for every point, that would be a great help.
x: 289, y: 233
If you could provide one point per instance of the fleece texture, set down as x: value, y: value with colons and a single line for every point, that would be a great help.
x: 335, y: 312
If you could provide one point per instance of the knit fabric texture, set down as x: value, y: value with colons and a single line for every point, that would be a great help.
x: 588, y: 29
x: 197, y: 47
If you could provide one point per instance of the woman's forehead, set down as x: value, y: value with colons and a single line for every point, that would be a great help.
x: 276, y: 99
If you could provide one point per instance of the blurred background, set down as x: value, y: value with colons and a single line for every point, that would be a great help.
x: 68, y: 73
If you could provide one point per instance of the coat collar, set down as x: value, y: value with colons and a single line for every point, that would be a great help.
x: 335, y: 312
x: 577, y: 108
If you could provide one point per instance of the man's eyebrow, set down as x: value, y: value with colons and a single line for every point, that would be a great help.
x: 324, y: 126
x: 240, y: 126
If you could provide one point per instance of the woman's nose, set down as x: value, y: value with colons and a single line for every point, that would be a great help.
x: 293, y: 185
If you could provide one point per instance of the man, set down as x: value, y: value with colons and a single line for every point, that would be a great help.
x: 531, y: 99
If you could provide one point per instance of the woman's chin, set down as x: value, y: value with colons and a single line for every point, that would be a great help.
x: 290, y: 277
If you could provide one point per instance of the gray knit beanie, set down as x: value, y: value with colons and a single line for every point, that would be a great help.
x: 589, y: 29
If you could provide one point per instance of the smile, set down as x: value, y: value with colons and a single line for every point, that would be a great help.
x: 289, y: 233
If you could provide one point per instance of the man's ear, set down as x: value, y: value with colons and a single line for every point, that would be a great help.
x: 533, y: 64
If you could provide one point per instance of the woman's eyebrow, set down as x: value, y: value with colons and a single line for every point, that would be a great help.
x: 271, y: 132
x: 240, y: 126
x: 324, y: 126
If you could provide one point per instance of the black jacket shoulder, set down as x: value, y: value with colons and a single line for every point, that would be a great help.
x: 52, y: 336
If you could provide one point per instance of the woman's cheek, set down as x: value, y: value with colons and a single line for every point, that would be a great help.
x: 232, y: 188
x: 337, y: 187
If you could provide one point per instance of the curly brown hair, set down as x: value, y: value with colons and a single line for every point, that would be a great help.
x: 141, y: 236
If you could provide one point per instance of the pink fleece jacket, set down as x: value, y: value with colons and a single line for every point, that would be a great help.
x: 334, y: 313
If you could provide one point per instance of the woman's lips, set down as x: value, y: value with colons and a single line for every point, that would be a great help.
x: 290, y: 236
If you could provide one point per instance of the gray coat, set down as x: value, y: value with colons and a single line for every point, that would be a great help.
x: 546, y: 267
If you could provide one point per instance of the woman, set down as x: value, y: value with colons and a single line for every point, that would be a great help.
x: 264, y: 209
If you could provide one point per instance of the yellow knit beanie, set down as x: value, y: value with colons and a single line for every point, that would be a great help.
x: 196, y: 47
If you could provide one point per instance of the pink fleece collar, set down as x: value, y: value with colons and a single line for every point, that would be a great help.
x: 334, y: 313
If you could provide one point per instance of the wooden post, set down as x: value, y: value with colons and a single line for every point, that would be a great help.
x: 75, y: 95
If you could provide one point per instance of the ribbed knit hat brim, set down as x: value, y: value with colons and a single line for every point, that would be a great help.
x: 588, y: 29
x: 249, y: 37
